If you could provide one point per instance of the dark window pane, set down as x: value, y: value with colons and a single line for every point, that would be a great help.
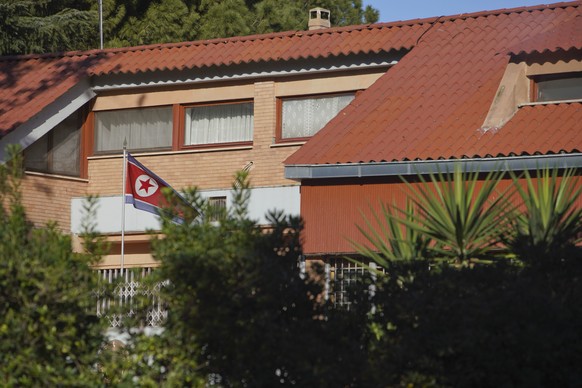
x: 558, y: 88
x: 57, y: 152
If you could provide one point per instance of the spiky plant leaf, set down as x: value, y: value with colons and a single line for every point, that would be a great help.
x: 551, y: 223
x: 464, y: 215
x: 389, y: 239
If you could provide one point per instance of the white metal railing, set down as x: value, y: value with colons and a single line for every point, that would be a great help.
x: 341, y: 274
x: 114, y: 304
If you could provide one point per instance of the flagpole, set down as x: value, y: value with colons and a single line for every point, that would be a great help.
x: 123, y: 205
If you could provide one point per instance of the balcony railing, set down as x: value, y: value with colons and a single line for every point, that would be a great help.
x: 125, y: 294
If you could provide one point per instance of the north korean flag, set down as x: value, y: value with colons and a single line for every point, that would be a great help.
x: 144, y: 188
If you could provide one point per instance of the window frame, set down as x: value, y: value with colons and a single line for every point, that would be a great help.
x: 536, y: 79
x: 180, y: 127
x: 92, y: 143
x: 216, y: 205
x: 279, y: 139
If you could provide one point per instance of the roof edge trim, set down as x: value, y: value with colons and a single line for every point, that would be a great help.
x: 33, y: 129
x: 102, y: 83
x: 361, y: 170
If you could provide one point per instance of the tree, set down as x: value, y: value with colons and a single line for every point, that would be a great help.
x: 551, y: 225
x: 49, y: 334
x: 39, y: 26
x: 240, y: 311
x: 458, y: 216
x: 438, y: 323
x: 149, y: 22
x: 224, y: 18
x: 486, y: 326
x: 32, y: 26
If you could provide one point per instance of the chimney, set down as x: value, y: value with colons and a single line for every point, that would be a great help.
x: 319, y: 18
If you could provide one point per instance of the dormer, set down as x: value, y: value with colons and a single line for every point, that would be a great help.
x: 536, y: 79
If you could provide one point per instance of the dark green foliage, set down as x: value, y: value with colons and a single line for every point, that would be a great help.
x: 462, y: 323
x: 39, y: 26
x: 488, y: 326
x: 463, y: 214
x: 225, y: 18
x: 157, y: 22
x: 393, y: 237
x: 49, y: 334
x: 551, y: 225
x: 241, y: 314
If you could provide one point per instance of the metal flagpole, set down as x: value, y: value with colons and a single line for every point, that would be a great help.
x: 123, y: 204
x: 101, y: 24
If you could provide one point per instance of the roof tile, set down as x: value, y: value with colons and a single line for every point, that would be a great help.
x: 28, y: 77
x: 430, y: 104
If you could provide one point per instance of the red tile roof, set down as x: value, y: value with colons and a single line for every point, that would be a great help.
x: 432, y: 104
x: 29, y: 83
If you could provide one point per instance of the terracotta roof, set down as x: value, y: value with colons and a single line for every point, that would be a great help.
x: 433, y: 102
x: 29, y: 83
x: 533, y: 130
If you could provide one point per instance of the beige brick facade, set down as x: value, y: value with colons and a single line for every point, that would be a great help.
x: 214, y: 168
x: 48, y: 198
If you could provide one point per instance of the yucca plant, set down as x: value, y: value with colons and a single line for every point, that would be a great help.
x: 465, y: 218
x: 390, y: 239
x: 550, y: 224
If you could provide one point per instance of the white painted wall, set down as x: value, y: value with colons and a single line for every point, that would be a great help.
x: 263, y: 199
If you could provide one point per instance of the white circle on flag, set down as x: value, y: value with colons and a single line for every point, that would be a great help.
x: 145, y: 186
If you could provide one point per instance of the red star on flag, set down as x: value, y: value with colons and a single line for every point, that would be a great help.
x: 145, y: 185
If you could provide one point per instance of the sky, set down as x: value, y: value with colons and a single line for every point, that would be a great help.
x: 393, y: 10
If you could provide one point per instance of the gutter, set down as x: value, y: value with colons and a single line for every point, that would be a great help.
x: 362, y: 170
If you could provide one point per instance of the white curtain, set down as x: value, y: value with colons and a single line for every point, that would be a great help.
x: 303, y: 117
x: 143, y: 128
x: 225, y: 123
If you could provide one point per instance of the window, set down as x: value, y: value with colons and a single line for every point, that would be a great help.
x: 557, y: 87
x: 143, y: 128
x: 220, y: 123
x: 304, y: 117
x: 217, y: 205
x: 58, y: 151
x: 343, y: 275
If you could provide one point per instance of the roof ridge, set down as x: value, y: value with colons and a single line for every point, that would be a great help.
x: 505, y: 11
x: 282, y: 34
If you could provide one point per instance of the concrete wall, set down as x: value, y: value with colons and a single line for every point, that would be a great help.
x: 109, y: 210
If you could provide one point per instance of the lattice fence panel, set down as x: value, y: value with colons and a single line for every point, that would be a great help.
x: 342, y: 274
x: 114, y: 304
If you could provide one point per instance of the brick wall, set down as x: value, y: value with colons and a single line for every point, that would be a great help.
x: 48, y: 198
x: 210, y: 168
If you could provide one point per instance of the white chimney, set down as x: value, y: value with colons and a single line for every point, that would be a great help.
x: 319, y: 18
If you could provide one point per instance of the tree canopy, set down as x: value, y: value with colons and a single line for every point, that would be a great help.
x: 242, y: 313
x: 40, y: 26
x: 49, y: 332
